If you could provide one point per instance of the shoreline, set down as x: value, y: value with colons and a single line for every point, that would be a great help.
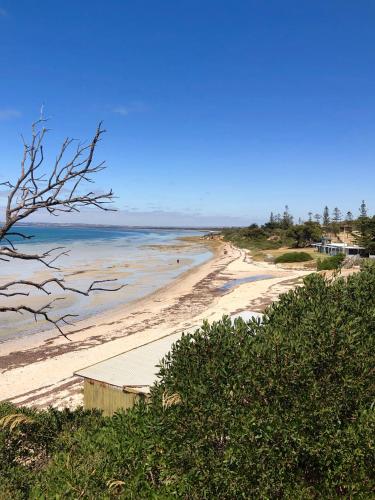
x: 21, y: 346
x: 50, y: 333
x: 38, y: 371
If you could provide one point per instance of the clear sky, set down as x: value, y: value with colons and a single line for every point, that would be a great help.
x: 217, y: 111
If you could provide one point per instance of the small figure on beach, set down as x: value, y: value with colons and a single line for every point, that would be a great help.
x: 178, y: 261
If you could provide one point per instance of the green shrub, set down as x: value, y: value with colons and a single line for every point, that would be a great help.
x: 278, y: 409
x: 367, y: 265
x: 293, y: 257
x: 28, y: 442
x: 330, y: 263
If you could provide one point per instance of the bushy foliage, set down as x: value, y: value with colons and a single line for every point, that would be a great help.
x: 367, y: 265
x: 279, y: 409
x: 274, y: 235
x: 258, y: 238
x: 28, y: 439
x: 305, y: 234
x: 366, y: 228
x: 330, y: 263
x: 293, y: 257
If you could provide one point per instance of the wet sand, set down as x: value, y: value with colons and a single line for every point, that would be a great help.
x: 38, y: 370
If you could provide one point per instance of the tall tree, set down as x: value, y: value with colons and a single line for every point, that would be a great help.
x: 310, y: 214
x: 317, y: 218
x: 287, y: 219
x: 366, y: 238
x: 349, y: 216
x: 326, y: 218
x: 336, y: 215
x: 363, y: 209
x: 59, y: 189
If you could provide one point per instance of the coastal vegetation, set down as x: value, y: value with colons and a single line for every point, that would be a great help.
x: 366, y: 233
x: 282, y: 408
x: 276, y: 233
x: 282, y: 232
x: 330, y: 263
x: 293, y: 257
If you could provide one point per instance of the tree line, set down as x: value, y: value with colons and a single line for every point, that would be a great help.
x: 312, y: 229
x: 282, y: 230
x: 286, y: 219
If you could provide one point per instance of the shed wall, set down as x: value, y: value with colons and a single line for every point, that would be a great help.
x: 106, y: 397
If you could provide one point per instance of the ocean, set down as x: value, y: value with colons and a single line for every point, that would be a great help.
x: 141, y: 259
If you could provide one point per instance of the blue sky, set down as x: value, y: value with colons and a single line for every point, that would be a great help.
x: 217, y: 112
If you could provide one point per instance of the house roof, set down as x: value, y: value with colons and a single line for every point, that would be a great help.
x: 338, y: 245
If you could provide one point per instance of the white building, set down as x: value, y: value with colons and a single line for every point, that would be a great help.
x: 328, y: 248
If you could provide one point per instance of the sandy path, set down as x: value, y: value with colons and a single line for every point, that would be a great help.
x: 39, y: 370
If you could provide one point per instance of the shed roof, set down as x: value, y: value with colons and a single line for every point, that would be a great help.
x: 247, y: 315
x: 138, y: 368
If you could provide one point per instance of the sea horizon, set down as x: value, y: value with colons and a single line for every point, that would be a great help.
x: 125, y: 226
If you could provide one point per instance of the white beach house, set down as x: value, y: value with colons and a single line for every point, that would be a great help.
x: 327, y: 247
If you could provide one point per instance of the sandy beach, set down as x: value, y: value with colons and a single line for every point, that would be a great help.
x: 38, y: 370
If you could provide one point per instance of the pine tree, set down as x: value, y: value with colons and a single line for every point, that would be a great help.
x: 310, y: 214
x: 337, y: 215
x: 363, y: 209
x: 317, y: 217
x: 287, y: 218
x: 326, y: 218
x: 349, y: 216
x: 272, y: 219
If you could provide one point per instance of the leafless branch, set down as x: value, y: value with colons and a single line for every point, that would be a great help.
x: 42, y: 286
x: 58, y: 189
x: 43, y: 312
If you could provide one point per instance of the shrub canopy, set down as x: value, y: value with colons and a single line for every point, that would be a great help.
x: 293, y: 257
x: 330, y: 263
x: 305, y: 234
x: 283, y: 408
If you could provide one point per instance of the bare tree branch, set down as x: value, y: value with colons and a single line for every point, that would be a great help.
x: 57, y: 190
x: 11, y: 253
x: 44, y: 312
x: 60, y: 283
